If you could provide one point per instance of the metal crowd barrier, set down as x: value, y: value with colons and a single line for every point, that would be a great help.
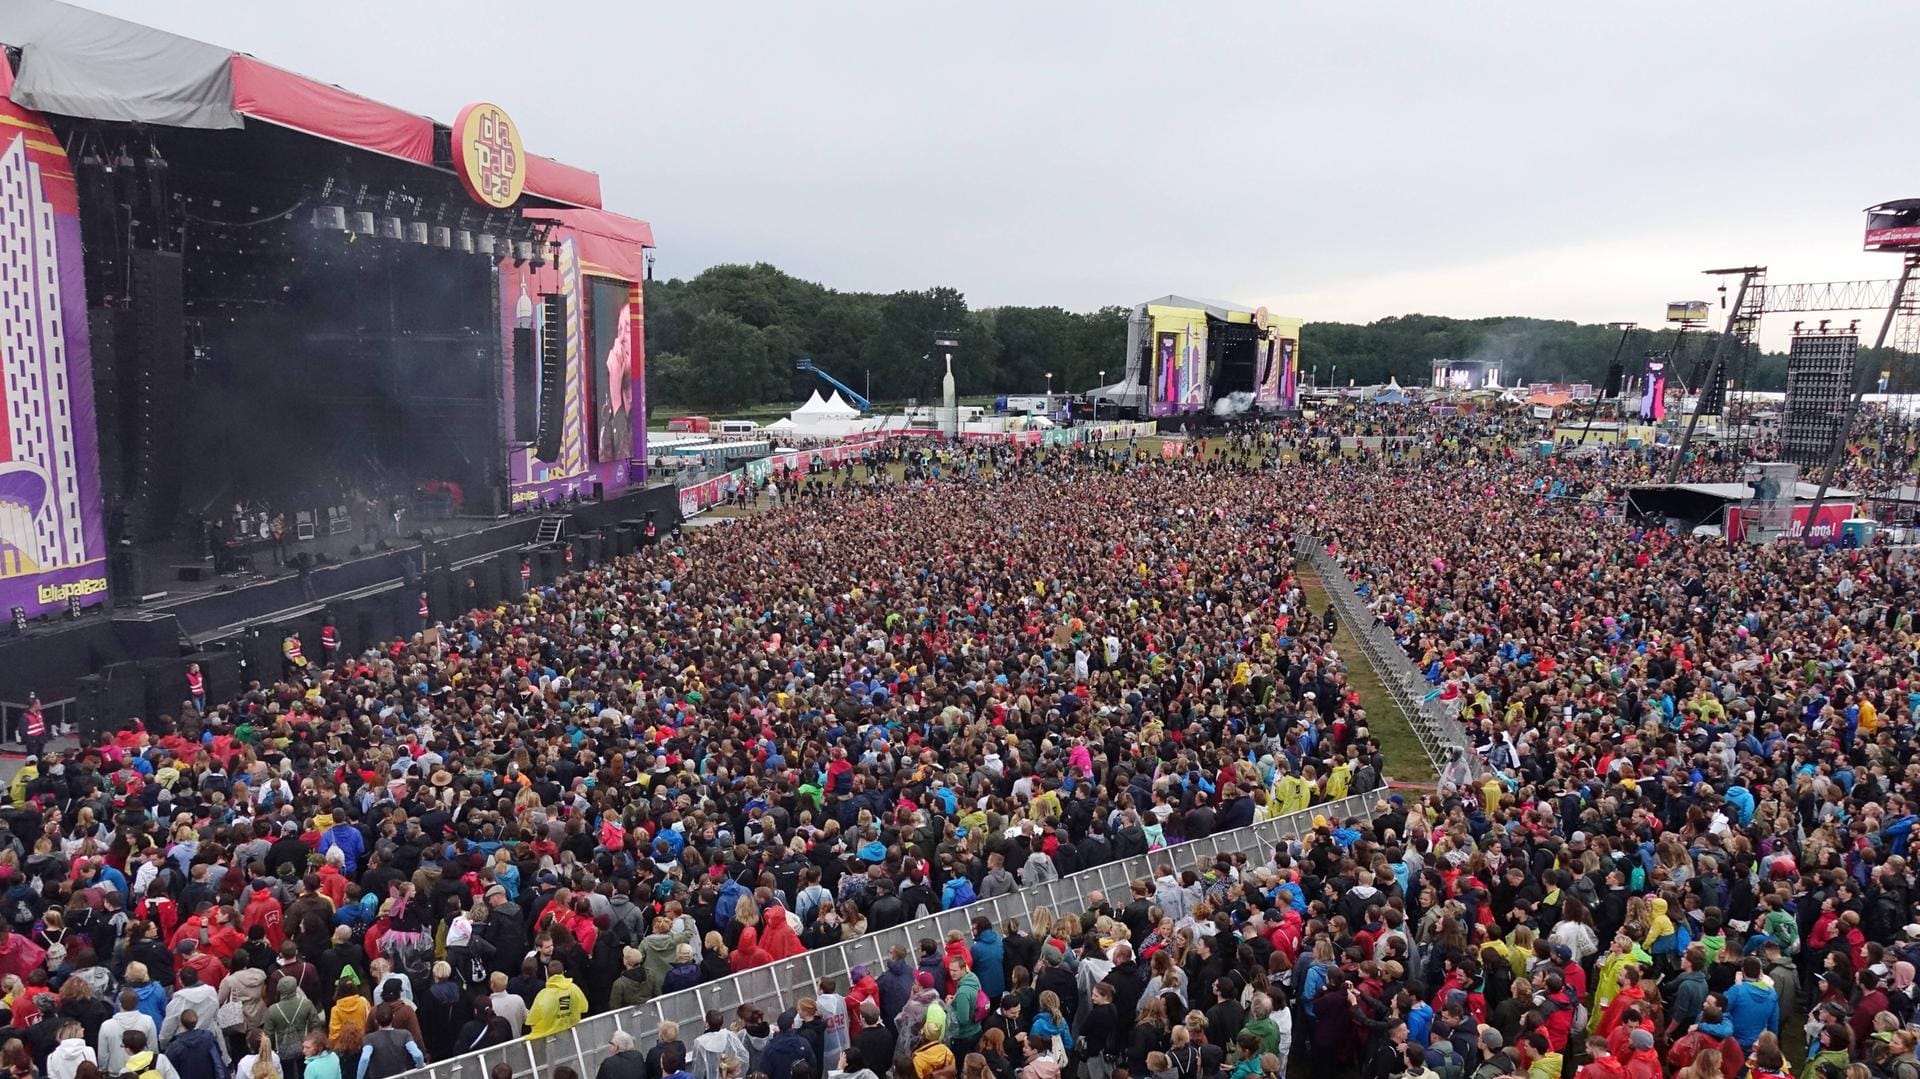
x: 774, y: 987
x: 1436, y: 724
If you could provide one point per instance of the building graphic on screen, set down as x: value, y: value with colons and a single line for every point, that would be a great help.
x: 41, y: 526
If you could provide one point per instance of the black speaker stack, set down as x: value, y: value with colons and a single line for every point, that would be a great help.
x: 1819, y: 383
x: 526, y: 385
x: 1616, y: 374
x: 553, y: 368
x: 158, y: 373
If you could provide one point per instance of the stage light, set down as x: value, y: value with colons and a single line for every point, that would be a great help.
x: 360, y: 221
x: 484, y: 243
x: 441, y: 236
x: 19, y: 619
x: 73, y: 606
x: 463, y: 241
x: 522, y: 250
x: 390, y: 228
x: 330, y: 217
x: 417, y: 232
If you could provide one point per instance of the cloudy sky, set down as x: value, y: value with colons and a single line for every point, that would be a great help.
x: 1329, y: 160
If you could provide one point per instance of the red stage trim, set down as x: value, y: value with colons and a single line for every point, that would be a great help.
x: 265, y: 92
x: 560, y: 182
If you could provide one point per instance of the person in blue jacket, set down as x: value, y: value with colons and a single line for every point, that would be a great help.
x: 1752, y: 1004
x: 989, y: 959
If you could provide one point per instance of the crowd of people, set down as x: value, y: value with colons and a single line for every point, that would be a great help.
x: 816, y: 722
x: 973, y: 669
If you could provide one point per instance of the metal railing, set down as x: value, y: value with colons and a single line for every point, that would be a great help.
x: 774, y: 987
x: 1436, y: 723
x: 59, y: 716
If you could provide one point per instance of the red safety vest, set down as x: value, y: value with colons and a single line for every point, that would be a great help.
x: 423, y: 605
x: 329, y: 640
x: 290, y: 648
x: 196, y: 684
x: 36, y: 723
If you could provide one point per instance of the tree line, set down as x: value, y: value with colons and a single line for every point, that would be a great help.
x: 728, y: 338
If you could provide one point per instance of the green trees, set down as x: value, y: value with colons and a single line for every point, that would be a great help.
x: 727, y: 339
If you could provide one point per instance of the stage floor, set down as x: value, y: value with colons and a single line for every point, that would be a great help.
x: 160, y: 562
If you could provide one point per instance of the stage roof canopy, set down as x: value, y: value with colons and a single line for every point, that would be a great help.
x: 1219, y: 309
x: 81, y: 63
x: 1740, y: 492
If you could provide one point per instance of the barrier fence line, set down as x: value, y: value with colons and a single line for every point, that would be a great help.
x: 1439, y: 730
x: 775, y: 986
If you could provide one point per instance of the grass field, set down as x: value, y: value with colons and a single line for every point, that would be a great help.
x: 1406, y: 760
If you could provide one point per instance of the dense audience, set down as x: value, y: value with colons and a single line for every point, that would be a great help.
x: 908, y: 688
x: 891, y: 694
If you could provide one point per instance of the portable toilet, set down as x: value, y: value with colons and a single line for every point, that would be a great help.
x: 1858, y: 531
x: 1543, y: 448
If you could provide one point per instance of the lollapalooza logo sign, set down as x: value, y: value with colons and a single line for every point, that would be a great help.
x: 488, y: 154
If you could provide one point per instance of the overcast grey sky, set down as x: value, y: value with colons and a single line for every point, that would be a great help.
x: 1334, y: 161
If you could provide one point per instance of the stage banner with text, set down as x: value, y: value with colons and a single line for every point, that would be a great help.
x: 52, y: 537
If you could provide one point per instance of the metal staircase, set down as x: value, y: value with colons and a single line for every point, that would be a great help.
x: 550, y: 530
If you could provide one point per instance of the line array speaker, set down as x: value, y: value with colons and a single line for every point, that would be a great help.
x: 553, y: 374
x: 526, y: 385
x: 159, y: 374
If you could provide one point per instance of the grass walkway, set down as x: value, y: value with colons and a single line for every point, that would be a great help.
x: 1406, y: 760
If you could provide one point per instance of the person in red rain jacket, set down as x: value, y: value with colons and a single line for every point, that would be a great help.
x: 333, y: 883
x: 1558, y: 1008
x: 1620, y: 1039
x: 223, y: 937
x: 1603, y: 1065
x: 1849, y: 931
x: 203, y: 963
x: 1643, y: 1063
x: 864, y: 988
x: 264, y: 911
x: 1630, y: 994
x: 1682, y: 1052
x: 747, y: 952
x: 1574, y: 973
x: 198, y: 927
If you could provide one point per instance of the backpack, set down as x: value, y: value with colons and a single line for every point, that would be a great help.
x: 1785, y: 930
x: 626, y: 932
x: 21, y: 913
x: 1449, y: 1064
x: 958, y: 893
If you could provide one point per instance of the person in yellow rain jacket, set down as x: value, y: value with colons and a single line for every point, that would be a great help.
x: 1294, y: 792
x: 558, y: 1006
x: 1339, y: 778
x: 27, y: 774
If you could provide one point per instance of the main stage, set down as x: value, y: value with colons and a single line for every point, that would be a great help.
x: 279, y: 357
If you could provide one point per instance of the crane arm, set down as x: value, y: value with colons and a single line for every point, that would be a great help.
x: 857, y: 400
